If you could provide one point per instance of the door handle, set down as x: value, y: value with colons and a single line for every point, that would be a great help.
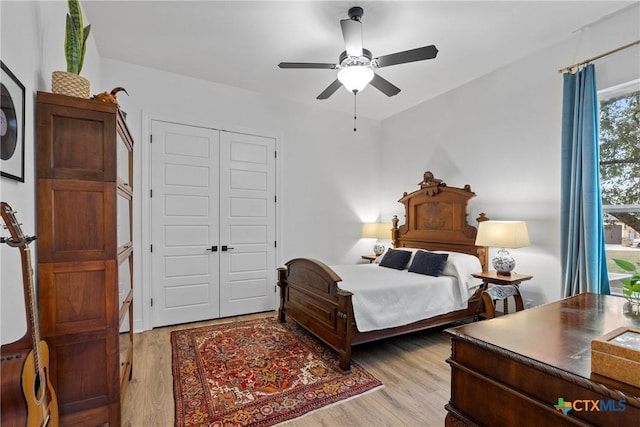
x: 213, y: 249
x: 225, y: 248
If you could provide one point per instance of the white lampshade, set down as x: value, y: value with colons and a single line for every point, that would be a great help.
x: 379, y: 230
x: 503, y: 234
x: 355, y: 78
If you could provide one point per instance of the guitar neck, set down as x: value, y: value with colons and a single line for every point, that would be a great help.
x: 30, y: 302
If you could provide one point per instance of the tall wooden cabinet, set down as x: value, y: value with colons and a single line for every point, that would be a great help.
x: 84, y: 207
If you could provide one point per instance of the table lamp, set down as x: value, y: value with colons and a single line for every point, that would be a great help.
x: 503, y: 234
x: 376, y: 231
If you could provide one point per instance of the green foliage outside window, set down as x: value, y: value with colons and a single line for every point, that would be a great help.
x: 620, y: 154
x: 620, y: 174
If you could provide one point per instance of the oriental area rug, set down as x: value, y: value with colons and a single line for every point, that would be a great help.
x: 256, y: 373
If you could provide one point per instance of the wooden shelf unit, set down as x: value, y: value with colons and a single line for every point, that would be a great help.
x: 84, y: 211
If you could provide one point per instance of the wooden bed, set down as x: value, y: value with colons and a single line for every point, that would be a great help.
x: 435, y: 219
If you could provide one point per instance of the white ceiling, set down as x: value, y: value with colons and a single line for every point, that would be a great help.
x: 240, y: 43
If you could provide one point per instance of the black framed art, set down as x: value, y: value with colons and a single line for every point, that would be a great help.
x: 12, y: 99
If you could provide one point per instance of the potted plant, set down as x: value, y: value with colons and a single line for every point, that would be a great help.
x: 75, y: 45
x: 631, y: 285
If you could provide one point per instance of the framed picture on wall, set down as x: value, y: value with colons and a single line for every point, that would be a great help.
x: 12, y: 98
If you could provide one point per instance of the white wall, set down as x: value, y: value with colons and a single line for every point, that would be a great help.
x: 32, y: 47
x: 501, y: 134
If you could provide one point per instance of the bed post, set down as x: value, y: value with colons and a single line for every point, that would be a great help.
x: 483, y: 251
x: 394, y: 231
x: 344, y: 327
x: 282, y: 284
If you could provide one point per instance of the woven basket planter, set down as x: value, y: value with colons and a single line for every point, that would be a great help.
x: 64, y: 83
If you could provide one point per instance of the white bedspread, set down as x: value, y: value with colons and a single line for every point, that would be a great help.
x: 385, y: 298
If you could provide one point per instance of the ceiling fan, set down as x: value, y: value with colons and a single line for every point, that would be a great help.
x: 356, y: 65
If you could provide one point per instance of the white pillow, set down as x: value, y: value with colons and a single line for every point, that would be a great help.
x: 462, y: 265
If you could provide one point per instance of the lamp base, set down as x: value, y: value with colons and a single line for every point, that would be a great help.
x: 378, y: 248
x: 504, y: 263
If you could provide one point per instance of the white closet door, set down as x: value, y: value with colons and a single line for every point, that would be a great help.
x: 247, y: 224
x: 184, y: 223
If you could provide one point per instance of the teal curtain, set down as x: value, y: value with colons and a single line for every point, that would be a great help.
x: 584, y: 263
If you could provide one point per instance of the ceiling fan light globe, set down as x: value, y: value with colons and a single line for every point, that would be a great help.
x: 355, y: 78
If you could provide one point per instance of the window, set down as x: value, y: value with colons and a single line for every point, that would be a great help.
x: 620, y: 176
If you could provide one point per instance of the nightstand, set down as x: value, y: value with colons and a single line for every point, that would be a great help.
x: 498, y: 279
x: 369, y: 258
x: 492, y: 277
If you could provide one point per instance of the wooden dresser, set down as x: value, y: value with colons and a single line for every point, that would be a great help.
x: 512, y: 370
x: 84, y: 204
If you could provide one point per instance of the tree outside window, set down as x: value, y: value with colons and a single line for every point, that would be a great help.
x: 620, y: 175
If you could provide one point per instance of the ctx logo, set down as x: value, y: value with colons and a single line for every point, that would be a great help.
x: 591, y: 405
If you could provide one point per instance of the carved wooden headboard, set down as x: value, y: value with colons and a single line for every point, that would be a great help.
x: 436, y: 219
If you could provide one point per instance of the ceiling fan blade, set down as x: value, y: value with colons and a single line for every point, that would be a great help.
x: 307, y: 65
x: 419, y: 54
x: 384, y: 86
x: 330, y: 90
x: 352, y: 34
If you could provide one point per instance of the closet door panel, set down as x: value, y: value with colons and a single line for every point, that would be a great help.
x: 247, y: 223
x: 184, y: 223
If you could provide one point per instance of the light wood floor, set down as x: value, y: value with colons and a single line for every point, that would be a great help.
x: 412, y: 367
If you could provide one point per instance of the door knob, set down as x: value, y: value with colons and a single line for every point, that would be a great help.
x: 225, y: 248
x: 213, y: 249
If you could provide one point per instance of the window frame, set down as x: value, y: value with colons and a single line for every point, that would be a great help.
x: 604, y: 94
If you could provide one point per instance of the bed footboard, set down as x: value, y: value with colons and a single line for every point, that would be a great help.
x: 310, y: 296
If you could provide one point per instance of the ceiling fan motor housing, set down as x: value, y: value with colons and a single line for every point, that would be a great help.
x: 348, y: 61
x: 356, y: 13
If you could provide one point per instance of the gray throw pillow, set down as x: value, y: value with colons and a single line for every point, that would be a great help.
x: 428, y: 263
x: 395, y: 258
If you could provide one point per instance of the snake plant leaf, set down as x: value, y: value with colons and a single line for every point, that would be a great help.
x: 75, y: 39
x: 71, y: 46
x: 76, y: 13
x: 86, y: 32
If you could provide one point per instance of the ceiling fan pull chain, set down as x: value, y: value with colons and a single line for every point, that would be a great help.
x: 355, y: 115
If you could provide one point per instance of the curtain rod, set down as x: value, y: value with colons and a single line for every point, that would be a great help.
x: 571, y: 67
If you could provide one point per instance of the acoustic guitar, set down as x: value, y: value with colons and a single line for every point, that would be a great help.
x: 28, y: 398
